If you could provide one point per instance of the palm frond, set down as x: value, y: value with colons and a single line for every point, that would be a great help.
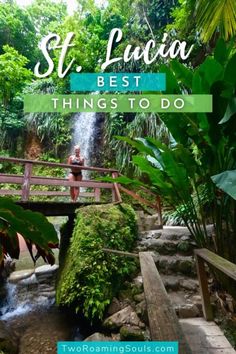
x: 216, y: 15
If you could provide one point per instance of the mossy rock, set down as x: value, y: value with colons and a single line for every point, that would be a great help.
x: 130, y: 333
x: 186, y: 267
x: 184, y: 247
x: 89, y: 278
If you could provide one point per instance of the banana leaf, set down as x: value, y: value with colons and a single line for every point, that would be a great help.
x: 226, y: 181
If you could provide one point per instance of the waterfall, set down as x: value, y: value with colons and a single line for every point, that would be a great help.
x: 21, y: 299
x: 84, y: 136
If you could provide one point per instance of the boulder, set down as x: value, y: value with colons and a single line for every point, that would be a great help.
x: 114, y: 306
x: 15, y: 277
x: 160, y: 246
x: 170, y: 282
x: 46, y: 269
x: 131, y: 333
x: 122, y: 317
x: 189, y: 284
x: 188, y: 311
x: 98, y: 337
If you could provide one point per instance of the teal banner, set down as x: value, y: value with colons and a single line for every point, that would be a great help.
x: 122, y: 82
x: 117, y: 347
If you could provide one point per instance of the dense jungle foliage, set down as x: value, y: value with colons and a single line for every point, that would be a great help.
x: 200, y: 147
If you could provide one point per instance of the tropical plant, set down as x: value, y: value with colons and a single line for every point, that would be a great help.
x: 205, y: 146
x: 34, y: 227
x: 216, y: 15
x: 17, y: 30
x: 52, y: 129
x: 13, y: 73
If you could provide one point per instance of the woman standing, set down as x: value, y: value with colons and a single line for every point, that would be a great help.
x: 75, y: 174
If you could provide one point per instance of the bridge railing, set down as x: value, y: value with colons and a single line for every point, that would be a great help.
x: 27, y: 179
x: 204, y: 256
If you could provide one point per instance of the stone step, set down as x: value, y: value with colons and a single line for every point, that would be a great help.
x: 172, y: 233
x: 166, y: 247
x: 178, y: 282
x: 175, y: 264
x: 185, y: 304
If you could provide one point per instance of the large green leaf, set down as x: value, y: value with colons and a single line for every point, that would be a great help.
x: 226, y: 181
x: 34, y: 227
x: 230, y: 71
x: 137, y: 144
x: 220, y: 53
x: 230, y: 111
x: 211, y: 70
x: 172, y: 86
x: 182, y: 73
x: 156, y: 176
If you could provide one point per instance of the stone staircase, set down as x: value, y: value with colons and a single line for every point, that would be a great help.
x: 172, y: 248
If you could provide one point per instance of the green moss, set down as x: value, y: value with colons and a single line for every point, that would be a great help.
x: 89, y: 278
x: 131, y: 334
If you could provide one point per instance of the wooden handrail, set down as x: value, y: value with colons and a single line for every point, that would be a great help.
x: 56, y: 165
x: 120, y: 253
x: 27, y: 179
x: 163, y: 322
x: 205, y: 256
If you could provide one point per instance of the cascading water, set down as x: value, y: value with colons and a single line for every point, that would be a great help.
x: 84, y: 136
x: 21, y: 299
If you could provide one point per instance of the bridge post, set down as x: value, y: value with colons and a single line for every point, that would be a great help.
x: 116, y: 197
x: 158, y: 206
x: 97, y: 194
x: 26, y: 182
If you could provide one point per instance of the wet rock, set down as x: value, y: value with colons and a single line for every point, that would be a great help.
x: 46, y: 269
x: 175, y: 232
x: 176, y: 264
x: 15, y: 277
x: 189, y: 284
x: 131, y: 333
x: 98, y: 337
x: 170, y: 282
x: 187, y: 311
x: 197, y: 300
x: 7, y: 342
x: 32, y: 280
x: 122, y: 317
x: 161, y: 246
x: 49, y: 294
x: 153, y: 234
x: 114, y: 306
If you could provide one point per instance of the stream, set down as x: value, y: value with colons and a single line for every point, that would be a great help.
x: 27, y: 307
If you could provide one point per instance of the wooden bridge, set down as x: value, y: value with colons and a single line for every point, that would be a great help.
x: 51, y: 196
x: 194, y: 335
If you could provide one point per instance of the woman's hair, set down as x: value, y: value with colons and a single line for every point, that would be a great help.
x: 76, y: 147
